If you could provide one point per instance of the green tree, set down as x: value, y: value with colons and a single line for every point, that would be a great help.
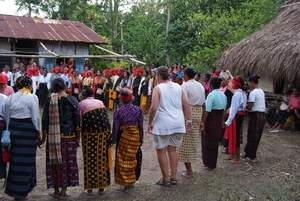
x: 218, y: 30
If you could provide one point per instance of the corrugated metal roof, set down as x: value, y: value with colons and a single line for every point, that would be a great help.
x: 46, y: 30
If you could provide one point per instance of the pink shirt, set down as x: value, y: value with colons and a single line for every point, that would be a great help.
x: 223, y: 89
x: 294, y: 102
x: 89, y: 104
x: 8, y: 90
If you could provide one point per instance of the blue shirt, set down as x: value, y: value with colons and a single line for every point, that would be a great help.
x: 238, y: 103
x: 67, y: 80
x: 216, y: 100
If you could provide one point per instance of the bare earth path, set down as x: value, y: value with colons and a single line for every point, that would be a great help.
x: 275, y: 177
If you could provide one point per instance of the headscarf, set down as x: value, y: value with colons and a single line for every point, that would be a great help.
x: 3, y: 78
x: 126, y: 98
x: 137, y: 72
x: 217, y: 73
x: 24, y: 83
x: 54, y: 69
x: 122, y: 71
x: 87, y: 72
x: 32, y: 72
x: 237, y: 83
x: 69, y: 71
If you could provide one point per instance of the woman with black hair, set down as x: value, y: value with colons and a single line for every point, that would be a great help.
x: 61, y: 127
x: 145, y: 91
x: 128, y: 134
x: 207, y: 83
x: 256, y: 107
x: 44, y: 85
x: 235, y: 120
x: 96, y: 143
x: 195, y: 93
x: 24, y: 126
x: 211, y: 124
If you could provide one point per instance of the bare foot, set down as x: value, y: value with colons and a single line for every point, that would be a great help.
x: 254, y: 160
x: 1, y: 196
x: 228, y: 158
x: 126, y: 189
x: 101, y: 191
x: 235, y: 161
x: 210, y: 169
x: 88, y: 192
x: 55, y: 195
x: 20, y: 199
x: 183, y: 170
x: 64, y: 196
x: 187, y: 175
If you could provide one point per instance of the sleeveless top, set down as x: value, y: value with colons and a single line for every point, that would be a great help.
x: 169, y: 118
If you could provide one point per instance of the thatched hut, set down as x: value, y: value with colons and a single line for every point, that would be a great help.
x: 272, y: 52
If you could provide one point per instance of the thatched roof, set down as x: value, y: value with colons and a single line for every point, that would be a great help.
x: 272, y: 52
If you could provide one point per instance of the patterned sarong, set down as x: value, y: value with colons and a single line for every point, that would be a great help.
x: 128, y: 156
x: 210, y: 138
x: 96, y: 143
x: 187, y: 153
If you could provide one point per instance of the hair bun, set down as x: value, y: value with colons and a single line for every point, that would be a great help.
x: 257, y: 76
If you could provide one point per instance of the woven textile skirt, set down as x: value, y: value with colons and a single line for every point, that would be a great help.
x: 255, y: 130
x: 2, y: 165
x: 43, y: 93
x: 210, y: 138
x: 187, y: 153
x: 22, y: 169
x: 96, y: 142
x: 128, y: 156
x: 66, y: 173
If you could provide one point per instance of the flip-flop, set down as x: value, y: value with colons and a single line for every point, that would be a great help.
x: 88, y: 193
x: 162, y: 182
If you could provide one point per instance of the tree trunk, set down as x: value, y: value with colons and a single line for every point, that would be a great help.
x: 167, y: 31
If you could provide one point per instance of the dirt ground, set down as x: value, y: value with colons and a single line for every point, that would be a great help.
x: 275, y: 177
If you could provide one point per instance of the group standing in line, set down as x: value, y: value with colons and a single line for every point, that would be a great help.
x: 65, y: 122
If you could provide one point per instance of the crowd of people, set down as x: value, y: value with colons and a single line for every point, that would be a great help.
x: 75, y: 112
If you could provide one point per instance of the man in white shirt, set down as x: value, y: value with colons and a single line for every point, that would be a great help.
x: 9, y: 75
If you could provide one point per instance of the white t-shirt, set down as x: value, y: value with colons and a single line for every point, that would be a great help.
x: 257, y: 97
x: 2, y: 105
x: 169, y: 118
x: 194, y: 92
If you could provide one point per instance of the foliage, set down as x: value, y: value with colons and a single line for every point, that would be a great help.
x: 218, y: 30
x: 199, y: 30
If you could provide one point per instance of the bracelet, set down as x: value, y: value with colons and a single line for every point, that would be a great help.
x: 189, y: 121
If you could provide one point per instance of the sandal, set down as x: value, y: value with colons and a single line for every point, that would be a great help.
x: 162, y: 182
x: 173, y: 181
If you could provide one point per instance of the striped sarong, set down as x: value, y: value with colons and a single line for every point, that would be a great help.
x: 187, y: 153
x: 210, y: 138
x: 255, y: 130
x: 22, y: 169
x: 128, y: 156
x: 96, y: 141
